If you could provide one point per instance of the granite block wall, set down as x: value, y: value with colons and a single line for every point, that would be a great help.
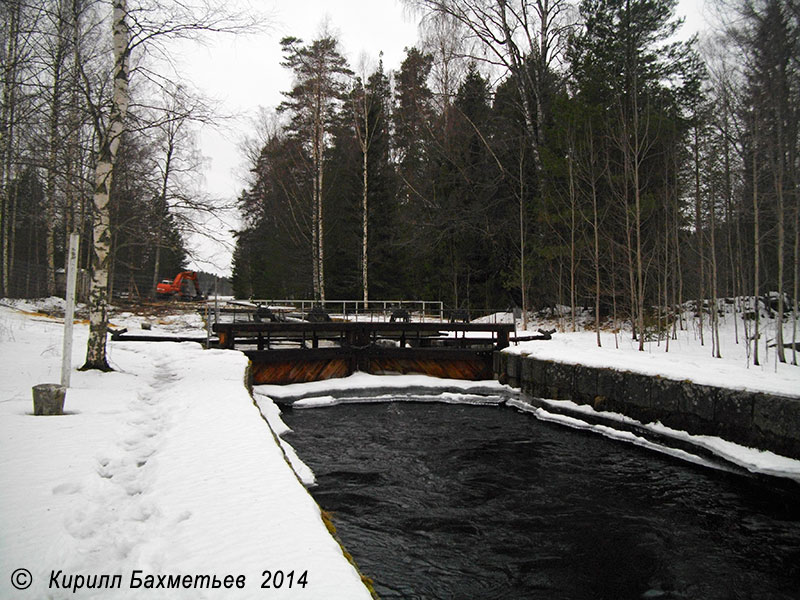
x: 754, y: 419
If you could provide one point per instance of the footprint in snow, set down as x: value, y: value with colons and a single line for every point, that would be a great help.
x: 67, y: 489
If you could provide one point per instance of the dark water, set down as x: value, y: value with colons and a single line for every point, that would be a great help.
x: 463, y: 502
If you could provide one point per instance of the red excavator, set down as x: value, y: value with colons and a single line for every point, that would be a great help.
x: 180, y: 287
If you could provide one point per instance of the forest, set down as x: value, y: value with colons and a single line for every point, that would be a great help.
x: 98, y: 143
x: 56, y: 129
x: 533, y: 154
x: 526, y: 153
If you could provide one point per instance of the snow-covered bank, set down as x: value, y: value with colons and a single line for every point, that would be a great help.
x: 163, y: 467
x: 686, y: 359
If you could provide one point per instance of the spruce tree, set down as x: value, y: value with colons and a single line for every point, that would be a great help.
x: 413, y: 138
x: 626, y: 67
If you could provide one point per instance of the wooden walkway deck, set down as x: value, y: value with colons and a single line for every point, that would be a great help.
x: 294, y: 352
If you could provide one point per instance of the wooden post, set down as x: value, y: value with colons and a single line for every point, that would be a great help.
x: 208, y: 327
x: 502, y: 339
x: 69, y: 312
x: 216, y: 301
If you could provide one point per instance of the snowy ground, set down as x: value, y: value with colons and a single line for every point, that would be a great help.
x: 164, y: 466
x: 684, y: 359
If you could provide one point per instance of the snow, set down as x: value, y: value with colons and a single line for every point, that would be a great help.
x: 443, y: 398
x: 609, y: 432
x: 751, y: 459
x: 164, y: 465
x: 366, y: 385
x: 685, y: 360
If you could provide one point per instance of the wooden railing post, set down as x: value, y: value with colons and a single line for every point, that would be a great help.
x: 502, y: 338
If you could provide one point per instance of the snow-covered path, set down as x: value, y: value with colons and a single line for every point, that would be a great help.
x: 164, y: 466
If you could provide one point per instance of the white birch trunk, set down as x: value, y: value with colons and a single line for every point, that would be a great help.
x: 110, y: 140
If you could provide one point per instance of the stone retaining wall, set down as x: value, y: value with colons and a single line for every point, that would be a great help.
x: 753, y: 419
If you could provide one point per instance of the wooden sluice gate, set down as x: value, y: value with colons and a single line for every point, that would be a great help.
x: 298, y: 352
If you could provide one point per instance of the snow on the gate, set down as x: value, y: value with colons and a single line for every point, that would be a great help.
x: 164, y: 466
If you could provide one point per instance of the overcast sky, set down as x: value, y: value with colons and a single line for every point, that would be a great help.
x: 244, y: 72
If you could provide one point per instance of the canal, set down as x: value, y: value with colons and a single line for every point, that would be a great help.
x: 443, y: 502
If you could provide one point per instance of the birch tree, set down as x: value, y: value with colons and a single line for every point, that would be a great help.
x: 155, y: 23
x: 108, y: 147
x: 361, y: 120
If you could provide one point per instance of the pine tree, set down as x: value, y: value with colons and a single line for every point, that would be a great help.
x: 319, y: 89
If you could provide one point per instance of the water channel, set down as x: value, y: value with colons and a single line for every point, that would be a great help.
x: 469, y: 502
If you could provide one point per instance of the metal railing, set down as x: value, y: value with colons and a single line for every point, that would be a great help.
x: 373, y: 310
x: 417, y: 311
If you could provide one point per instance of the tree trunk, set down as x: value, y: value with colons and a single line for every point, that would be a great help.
x: 73, y: 149
x: 110, y: 140
x: 734, y: 276
x: 596, y: 228
x: 365, y: 142
x: 317, y: 234
x: 320, y: 222
x: 756, y: 244
x: 161, y: 214
x: 698, y: 227
x: 796, y: 273
x: 522, y: 227
x: 572, y: 208
x: 638, y: 217
x: 7, y: 138
x: 678, y: 262
x: 778, y: 169
x: 667, y: 234
x: 52, y: 159
x: 629, y: 243
x: 714, y: 301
